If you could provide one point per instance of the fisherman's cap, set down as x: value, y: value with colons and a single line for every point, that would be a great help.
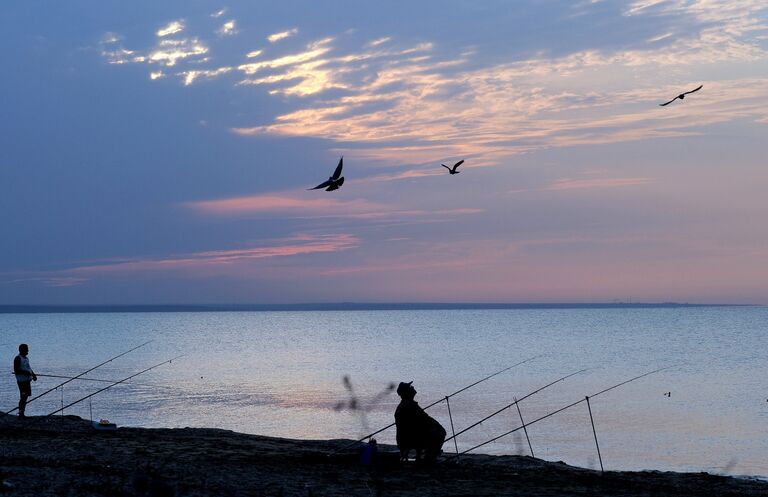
x: 404, y: 387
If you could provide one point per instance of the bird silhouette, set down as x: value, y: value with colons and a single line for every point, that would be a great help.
x: 682, y: 96
x: 668, y: 394
x: 334, y: 181
x: 453, y: 169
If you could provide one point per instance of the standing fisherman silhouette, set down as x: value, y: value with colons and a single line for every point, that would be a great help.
x: 415, y: 428
x: 24, y: 377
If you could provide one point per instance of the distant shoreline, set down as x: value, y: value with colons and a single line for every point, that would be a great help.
x: 339, y: 306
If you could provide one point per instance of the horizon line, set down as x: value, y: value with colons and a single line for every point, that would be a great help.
x: 338, y: 306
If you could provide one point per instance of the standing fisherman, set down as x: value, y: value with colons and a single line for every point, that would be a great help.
x: 24, y: 377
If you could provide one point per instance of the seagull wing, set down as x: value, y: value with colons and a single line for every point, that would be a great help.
x: 697, y: 89
x: 458, y: 164
x: 667, y: 103
x: 335, y: 185
x: 337, y: 172
x: 448, y: 168
x: 322, y: 185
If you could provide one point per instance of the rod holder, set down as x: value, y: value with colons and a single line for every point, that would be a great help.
x: 592, y: 420
x: 525, y: 430
x: 453, y: 431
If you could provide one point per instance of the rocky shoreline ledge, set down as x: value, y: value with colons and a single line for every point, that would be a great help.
x: 68, y: 457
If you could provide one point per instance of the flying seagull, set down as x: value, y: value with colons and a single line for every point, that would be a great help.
x: 682, y: 96
x: 455, y: 166
x: 335, y: 181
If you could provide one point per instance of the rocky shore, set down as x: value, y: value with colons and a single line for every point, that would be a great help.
x: 68, y: 457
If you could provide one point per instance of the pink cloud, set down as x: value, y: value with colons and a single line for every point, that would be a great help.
x: 300, y: 245
x: 314, y: 207
x: 254, y: 204
x: 578, y: 184
x: 52, y: 281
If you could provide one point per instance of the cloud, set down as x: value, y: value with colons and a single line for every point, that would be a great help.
x: 410, y: 174
x: 412, y: 105
x: 172, y: 28
x: 305, y: 72
x: 298, y: 245
x: 191, y: 76
x: 313, y: 51
x: 110, y: 38
x: 283, y: 203
x: 169, y: 52
x: 299, y: 206
x: 589, y: 183
x: 640, y: 6
x: 312, y: 72
x: 274, y: 38
x: 405, y: 106
x: 506, y: 111
x: 49, y: 281
x: 661, y: 37
x: 227, y: 29
x: 378, y: 41
x: 188, y: 264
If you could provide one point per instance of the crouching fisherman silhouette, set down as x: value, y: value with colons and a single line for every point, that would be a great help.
x: 24, y: 377
x: 415, y: 428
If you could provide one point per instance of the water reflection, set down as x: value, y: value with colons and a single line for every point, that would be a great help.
x: 278, y: 373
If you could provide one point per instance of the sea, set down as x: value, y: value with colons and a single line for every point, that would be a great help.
x: 328, y: 374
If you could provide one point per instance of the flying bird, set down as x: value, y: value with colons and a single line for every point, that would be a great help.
x: 682, y: 96
x: 334, y: 181
x: 453, y: 169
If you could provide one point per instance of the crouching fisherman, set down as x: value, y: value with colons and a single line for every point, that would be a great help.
x: 24, y: 377
x: 415, y: 428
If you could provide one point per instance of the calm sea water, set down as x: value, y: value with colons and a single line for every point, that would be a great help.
x: 280, y: 374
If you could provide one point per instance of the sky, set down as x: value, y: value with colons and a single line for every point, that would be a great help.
x: 161, y: 152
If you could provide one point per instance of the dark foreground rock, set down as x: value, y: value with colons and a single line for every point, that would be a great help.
x: 67, y: 457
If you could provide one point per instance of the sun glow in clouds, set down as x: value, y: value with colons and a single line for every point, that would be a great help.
x: 227, y: 29
x: 191, y: 76
x: 169, y: 52
x: 399, y: 100
x: 172, y: 28
x: 274, y: 38
x: 379, y: 41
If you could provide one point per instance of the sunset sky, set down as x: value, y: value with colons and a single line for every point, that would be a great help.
x: 160, y: 152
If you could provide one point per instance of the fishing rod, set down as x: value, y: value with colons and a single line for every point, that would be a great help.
x: 108, y: 387
x: 80, y: 375
x: 513, y: 403
x: 438, y: 401
x: 560, y: 410
x: 100, y: 380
